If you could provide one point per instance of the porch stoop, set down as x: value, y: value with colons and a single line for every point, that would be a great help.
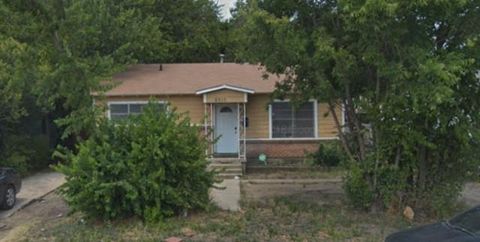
x: 228, y: 168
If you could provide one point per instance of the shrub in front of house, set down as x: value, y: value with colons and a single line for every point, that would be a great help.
x: 327, y: 155
x: 152, y: 166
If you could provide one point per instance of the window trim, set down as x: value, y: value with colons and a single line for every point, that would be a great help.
x: 315, y: 122
x: 132, y: 102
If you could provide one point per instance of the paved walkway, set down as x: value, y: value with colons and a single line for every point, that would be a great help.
x: 33, y: 188
x: 228, y: 198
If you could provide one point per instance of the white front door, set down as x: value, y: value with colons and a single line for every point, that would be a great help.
x: 226, y: 128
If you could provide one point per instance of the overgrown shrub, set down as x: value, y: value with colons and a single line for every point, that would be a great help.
x: 357, y: 189
x: 151, y: 166
x: 327, y: 155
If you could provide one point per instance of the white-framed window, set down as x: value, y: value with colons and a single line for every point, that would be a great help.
x: 121, y: 110
x: 287, y: 121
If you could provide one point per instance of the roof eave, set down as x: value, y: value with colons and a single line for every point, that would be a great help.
x: 225, y: 86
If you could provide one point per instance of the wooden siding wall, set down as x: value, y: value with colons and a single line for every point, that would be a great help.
x: 257, y: 113
x: 326, y: 123
x: 225, y: 96
x: 191, y: 104
x: 258, y: 119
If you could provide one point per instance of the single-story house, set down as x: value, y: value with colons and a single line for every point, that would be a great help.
x: 233, y: 100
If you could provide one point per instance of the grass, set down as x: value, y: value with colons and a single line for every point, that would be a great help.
x: 291, y: 218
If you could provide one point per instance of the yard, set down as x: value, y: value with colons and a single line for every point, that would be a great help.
x: 289, y: 212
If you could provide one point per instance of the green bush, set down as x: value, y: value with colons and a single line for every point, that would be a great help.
x: 25, y: 153
x: 359, y: 193
x: 327, y: 155
x: 151, y: 166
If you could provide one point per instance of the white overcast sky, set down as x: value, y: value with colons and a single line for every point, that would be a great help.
x: 227, y: 4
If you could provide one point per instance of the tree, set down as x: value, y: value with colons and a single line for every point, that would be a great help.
x: 55, y: 53
x: 193, y: 29
x: 76, y: 45
x: 408, y: 69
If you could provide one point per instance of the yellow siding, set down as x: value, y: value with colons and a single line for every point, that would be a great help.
x: 257, y: 113
x: 191, y: 104
x: 225, y: 96
x: 326, y: 123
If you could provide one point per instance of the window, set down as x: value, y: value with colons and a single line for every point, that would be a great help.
x: 288, y: 122
x: 226, y: 110
x: 119, y: 111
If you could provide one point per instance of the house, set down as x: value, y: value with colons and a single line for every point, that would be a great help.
x: 234, y: 100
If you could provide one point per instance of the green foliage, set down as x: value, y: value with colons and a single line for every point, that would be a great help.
x: 55, y: 53
x: 405, y: 72
x: 358, y: 191
x: 151, y: 166
x: 327, y: 155
x: 12, y: 80
x: 25, y: 153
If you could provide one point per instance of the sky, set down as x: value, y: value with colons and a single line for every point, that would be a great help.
x: 227, y: 4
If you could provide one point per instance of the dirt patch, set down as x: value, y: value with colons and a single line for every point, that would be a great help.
x: 47, y: 210
x: 271, y: 212
x: 292, y: 174
x: 261, y: 191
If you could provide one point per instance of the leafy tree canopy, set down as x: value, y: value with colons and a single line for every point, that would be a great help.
x: 55, y: 53
x: 406, y: 73
x: 63, y: 49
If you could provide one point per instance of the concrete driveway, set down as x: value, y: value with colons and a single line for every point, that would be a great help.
x: 471, y: 194
x: 33, y: 188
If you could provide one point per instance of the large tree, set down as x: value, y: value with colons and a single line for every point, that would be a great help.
x: 73, y: 45
x: 405, y: 73
x: 57, y: 52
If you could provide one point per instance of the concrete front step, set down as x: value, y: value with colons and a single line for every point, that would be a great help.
x: 228, y: 176
x: 228, y: 173
x: 225, y: 164
x: 227, y: 168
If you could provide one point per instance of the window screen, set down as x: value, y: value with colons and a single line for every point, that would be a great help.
x: 122, y: 111
x: 288, y: 122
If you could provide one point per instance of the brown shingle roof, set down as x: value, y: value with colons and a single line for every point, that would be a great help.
x: 147, y: 79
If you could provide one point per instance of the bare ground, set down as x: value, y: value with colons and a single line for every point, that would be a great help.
x: 48, y: 210
x: 293, y: 210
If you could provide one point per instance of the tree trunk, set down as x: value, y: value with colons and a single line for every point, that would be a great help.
x: 331, y: 106
x: 357, y: 126
x: 422, y: 161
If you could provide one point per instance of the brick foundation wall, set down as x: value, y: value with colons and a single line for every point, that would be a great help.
x: 281, y: 149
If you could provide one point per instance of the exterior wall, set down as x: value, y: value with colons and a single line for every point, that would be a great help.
x: 326, y: 123
x: 283, y: 149
x: 225, y: 96
x: 257, y: 113
x: 191, y: 104
x: 258, y: 130
x: 258, y: 118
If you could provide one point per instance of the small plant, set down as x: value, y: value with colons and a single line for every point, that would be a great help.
x: 327, y: 155
x: 151, y: 166
x: 356, y: 188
